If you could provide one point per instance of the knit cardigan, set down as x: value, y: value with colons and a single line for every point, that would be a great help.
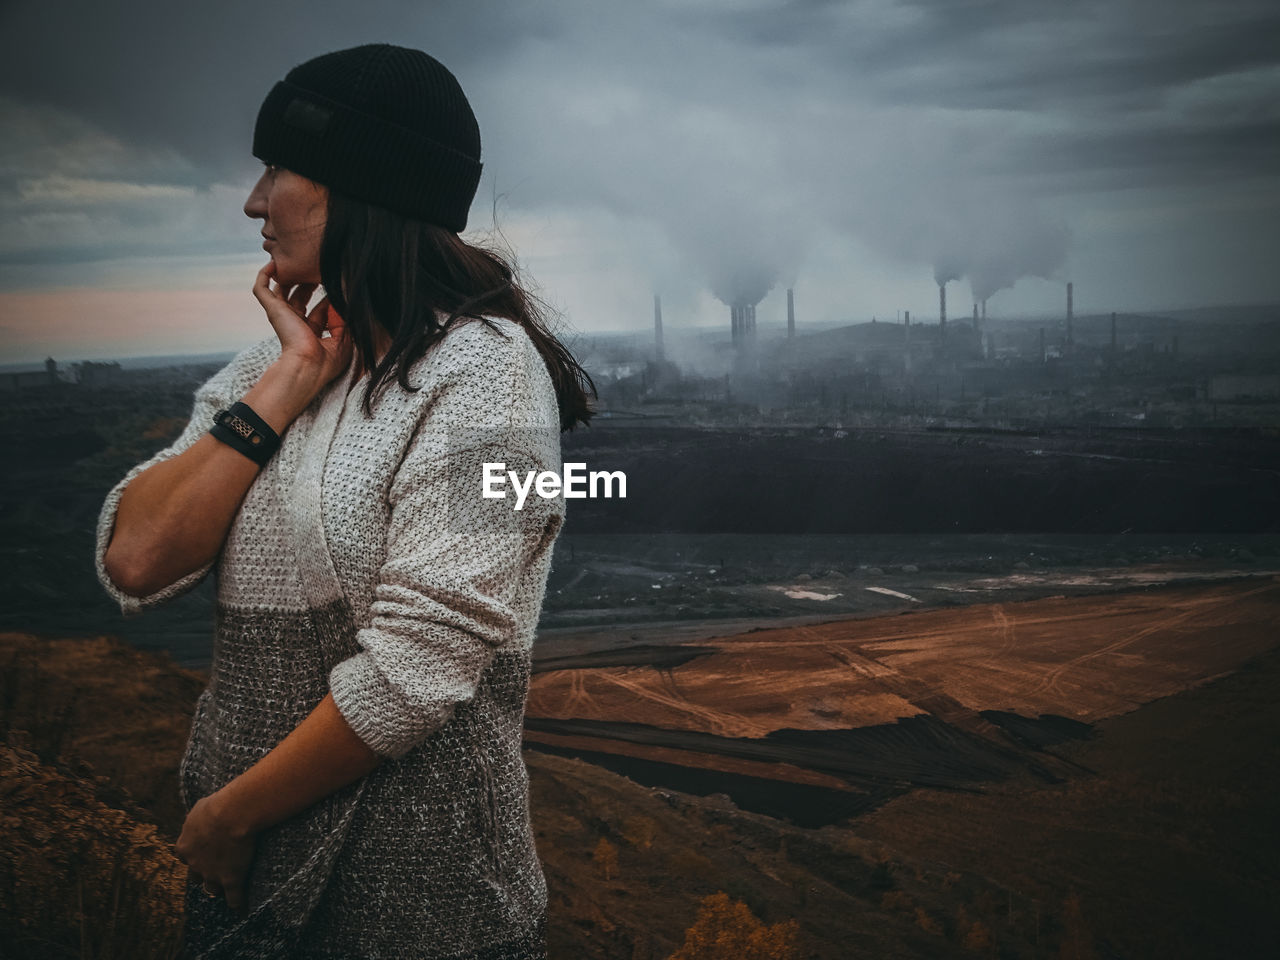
x: 364, y: 562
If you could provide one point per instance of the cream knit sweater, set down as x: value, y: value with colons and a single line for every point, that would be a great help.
x: 365, y: 562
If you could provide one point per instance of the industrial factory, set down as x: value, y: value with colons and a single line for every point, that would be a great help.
x: 1180, y: 368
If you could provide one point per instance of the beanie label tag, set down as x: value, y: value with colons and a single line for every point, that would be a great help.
x: 307, y: 116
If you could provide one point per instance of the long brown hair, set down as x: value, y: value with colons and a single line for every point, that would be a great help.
x: 378, y: 266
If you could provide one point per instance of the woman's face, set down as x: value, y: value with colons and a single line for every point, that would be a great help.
x: 293, y: 212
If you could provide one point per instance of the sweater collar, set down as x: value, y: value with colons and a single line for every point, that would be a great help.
x: 302, y: 474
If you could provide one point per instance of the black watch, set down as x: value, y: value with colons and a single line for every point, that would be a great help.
x: 239, y: 427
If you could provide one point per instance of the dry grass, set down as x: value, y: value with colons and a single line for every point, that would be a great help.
x: 80, y: 878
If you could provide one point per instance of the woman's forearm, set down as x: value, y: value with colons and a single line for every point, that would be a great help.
x: 173, y: 517
x: 322, y: 755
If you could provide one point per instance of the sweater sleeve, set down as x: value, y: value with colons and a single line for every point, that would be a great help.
x: 446, y: 597
x: 217, y: 392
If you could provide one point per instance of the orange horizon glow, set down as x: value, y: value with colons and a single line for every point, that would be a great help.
x: 92, y: 324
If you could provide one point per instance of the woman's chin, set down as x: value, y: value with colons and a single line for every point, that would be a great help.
x: 285, y: 275
x: 288, y: 275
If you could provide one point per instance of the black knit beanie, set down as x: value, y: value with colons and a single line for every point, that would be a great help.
x: 384, y: 124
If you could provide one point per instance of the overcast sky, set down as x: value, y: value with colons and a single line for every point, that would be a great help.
x: 698, y: 149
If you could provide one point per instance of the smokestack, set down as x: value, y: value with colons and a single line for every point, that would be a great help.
x: 942, y: 308
x: 742, y: 319
x: 984, y: 310
x: 1042, y: 357
x: 1070, y: 311
x: 657, y: 324
x: 908, y: 316
x: 1113, y: 331
x: 791, y: 314
x: 975, y: 316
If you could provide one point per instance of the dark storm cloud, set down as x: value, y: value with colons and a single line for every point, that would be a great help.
x: 736, y: 127
x: 1029, y: 54
x: 191, y: 75
x: 1086, y: 63
x: 1157, y: 158
x: 1096, y: 54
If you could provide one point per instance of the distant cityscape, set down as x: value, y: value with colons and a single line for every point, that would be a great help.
x: 1184, y: 368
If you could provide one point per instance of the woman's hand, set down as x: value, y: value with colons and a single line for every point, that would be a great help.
x: 301, y: 332
x: 217, y: 854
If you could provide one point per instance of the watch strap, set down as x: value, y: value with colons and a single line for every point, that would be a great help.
x: 240, y: 428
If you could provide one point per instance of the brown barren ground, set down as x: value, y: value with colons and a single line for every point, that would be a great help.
x: 1158, y: 840
x: 1080, y: 658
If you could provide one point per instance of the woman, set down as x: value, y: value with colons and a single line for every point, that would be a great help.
x: 353, y: 778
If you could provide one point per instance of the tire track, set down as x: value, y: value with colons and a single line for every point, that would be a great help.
x: 719, y: 722
x: 1194, y: 607
x: 1006, y: 627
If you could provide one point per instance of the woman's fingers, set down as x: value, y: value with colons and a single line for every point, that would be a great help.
x: 302, y: 333
x: 279, y: 308
x: 262, y: 286
x: 321, y: 317
x: 300, y: 297
x: 338, y: 331
x: 232, y: 890
x: 295, y: 296
x: 324, y: 317
x: 233, y: 894
x: 235, y: 897
x: 281, y: 292
x: 260, y: 281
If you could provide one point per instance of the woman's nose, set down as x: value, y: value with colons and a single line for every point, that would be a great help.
x: 256, y: 205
